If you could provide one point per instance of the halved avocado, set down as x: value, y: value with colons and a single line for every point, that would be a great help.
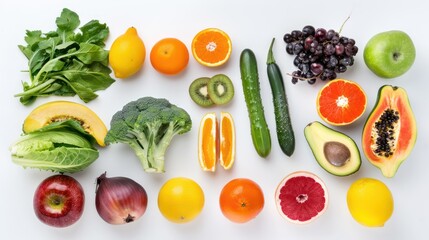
x: 64, y: 110
x: 335, y: 152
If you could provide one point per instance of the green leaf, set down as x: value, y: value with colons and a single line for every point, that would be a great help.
x: 88, y: 79
x: 37, y: 61
x: 26, y: 51
x: 67, y: 125
x: 68, y: 21
x: 47, y: 44
x: 89, y: 53
x: 93, y: 32
x: 53, y: 65
x: 63, y: 137
x: 33, y: 37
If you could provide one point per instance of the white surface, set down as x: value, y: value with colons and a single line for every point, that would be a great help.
x: 250, y: 24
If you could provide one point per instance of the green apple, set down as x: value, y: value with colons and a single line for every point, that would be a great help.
x: 389, y: 54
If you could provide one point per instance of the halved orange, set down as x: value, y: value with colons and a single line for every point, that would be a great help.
x: 227, y: 141
x: 216, y: 141
x: 211, y: 47
x: 207, y: 142
x: 341, y: 102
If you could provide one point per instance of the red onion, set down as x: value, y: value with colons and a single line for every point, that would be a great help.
x: 119, y: 200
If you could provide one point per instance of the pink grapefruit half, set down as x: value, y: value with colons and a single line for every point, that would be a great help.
x: 301, y: 197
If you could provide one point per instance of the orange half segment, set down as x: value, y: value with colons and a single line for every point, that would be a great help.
x: 211, y: 47
x: 207, y: 142
x: 227, y: 141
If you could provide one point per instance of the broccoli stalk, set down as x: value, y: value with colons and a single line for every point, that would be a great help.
x: 148, y: 125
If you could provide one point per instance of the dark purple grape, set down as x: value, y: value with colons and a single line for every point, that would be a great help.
x: 296, y: 61
x: 319, y: 50
x: 323, y: 77
x: 352, y: 60
x: 296, y: 34
x: 340, y: 68
x: 296, y: 74
x: 316, y: 68
x: 333, y: 62
x: 289, y: 48
x: 288, y: 38
x: 344, y: 40
x: 335, y: 40
x: 339, y: 49
x: 305, y: 60
x: 348, y: 49
x: 333, y: 76
x: 330, y: 34
x: 305, y: 68
x: 297, y: 48
x: 320, y: 34
x: 311, y: 81
x: 355, y: 50
x: 329, y: 49
x: 309, y: 75
x: 313, y: 58
x: 308, y: 31
x: 352, y: 41
x: 314, y: 44
x: 294, y: 80
x: 307, y: 42
x: 345, y: 61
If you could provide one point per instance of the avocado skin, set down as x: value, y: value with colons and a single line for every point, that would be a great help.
x: 317, y: 135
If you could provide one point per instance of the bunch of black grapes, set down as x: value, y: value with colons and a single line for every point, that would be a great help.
x: 319, y: 54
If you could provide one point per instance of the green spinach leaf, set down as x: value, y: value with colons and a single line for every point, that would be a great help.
x: 66, y: 63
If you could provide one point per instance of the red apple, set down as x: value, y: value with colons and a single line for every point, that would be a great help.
x: 59, y: 201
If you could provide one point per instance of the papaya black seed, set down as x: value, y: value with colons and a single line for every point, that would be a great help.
x: 385, y: 132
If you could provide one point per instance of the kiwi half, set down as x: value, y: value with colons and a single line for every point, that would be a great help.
x: 199, y: 92
x: 220, y: 89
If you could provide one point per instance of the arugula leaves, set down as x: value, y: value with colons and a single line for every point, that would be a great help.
x: 66, y: 62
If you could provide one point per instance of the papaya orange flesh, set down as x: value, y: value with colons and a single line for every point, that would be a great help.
x: 390, y: 132
x: 64, y: 110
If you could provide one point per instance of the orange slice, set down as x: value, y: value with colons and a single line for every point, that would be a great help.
x: 211, y: 47
x: 227, y: 141
x: 341, y: 102
x: 207, y: 142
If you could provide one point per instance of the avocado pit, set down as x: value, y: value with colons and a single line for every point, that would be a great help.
x: 336, y: 153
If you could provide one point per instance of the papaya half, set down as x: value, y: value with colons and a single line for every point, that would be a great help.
x: 390, y: 132
x: 56, y: 111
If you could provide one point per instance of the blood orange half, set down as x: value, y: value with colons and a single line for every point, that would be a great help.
x: 301, y: 197
x: 341, y: 102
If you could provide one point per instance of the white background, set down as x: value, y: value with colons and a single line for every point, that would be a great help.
x: 250, y: 24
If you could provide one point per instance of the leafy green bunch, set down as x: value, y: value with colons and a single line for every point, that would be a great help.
x: 66, y: 62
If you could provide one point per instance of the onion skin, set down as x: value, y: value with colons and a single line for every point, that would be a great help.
x: 119, y: 200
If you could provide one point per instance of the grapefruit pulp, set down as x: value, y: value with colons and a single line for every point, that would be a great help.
x: 301, y: 197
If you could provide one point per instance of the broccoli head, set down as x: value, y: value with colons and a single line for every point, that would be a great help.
x: 148, y: 125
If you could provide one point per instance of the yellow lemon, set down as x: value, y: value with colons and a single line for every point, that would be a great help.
x: 180, y: 200
x: 127, y: 54
x: 370, y: 202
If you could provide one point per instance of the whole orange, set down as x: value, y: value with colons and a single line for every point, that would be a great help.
x: 241, y: 200
x: 169, y: 56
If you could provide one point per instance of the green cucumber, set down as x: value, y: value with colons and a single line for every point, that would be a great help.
x: 258, y: 126
x: 285, y: 134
